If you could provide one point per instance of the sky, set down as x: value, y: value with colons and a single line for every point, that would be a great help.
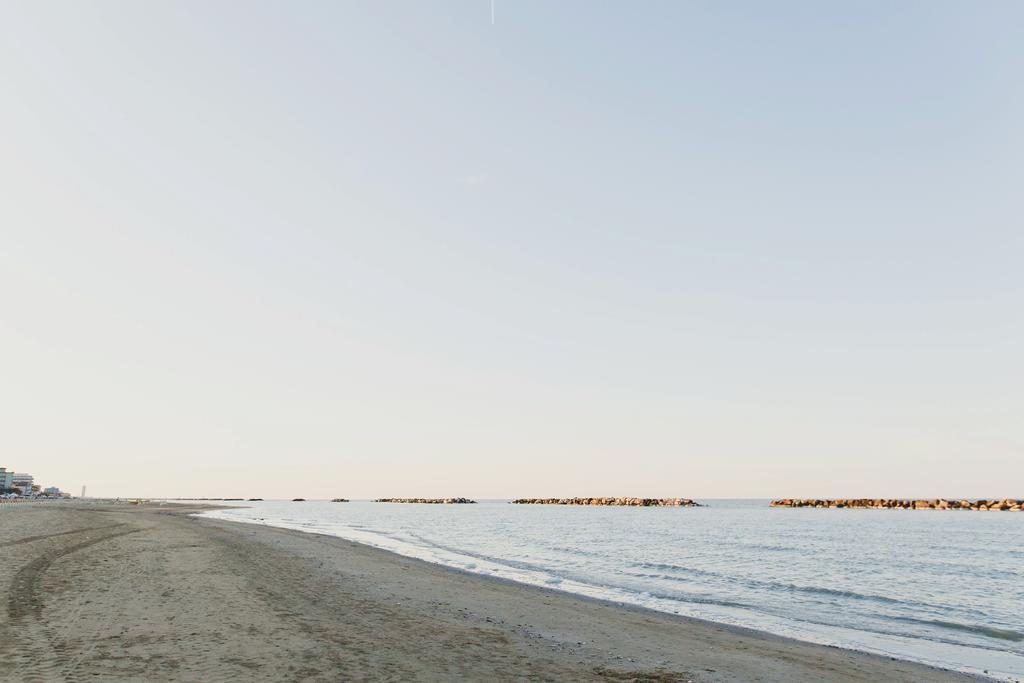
x: 699, y: 249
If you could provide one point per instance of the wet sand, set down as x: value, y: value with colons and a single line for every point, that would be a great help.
x: 119, y: 592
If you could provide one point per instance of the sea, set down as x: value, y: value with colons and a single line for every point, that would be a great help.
x: 941, y: 587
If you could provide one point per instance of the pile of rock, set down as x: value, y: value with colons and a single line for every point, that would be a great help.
x: 425, y: 500
x: 1016, y: 505
x: 633, y: 502
x: 339, y: 500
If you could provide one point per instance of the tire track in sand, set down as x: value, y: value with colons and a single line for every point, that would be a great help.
x: 32, y: 539
x: 24, y: 608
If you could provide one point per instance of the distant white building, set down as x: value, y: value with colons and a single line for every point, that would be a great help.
x: 6, y: 480
x: 22, y: 481
x: 52, y: 491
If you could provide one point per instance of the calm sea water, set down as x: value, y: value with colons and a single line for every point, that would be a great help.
x: 942, y: 587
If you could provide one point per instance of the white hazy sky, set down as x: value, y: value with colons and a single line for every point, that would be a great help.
x: 388, y: 248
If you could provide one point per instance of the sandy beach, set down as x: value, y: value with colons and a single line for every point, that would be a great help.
x: 120, y: 592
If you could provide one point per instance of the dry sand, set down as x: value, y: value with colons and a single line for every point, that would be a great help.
x: 104, y: 592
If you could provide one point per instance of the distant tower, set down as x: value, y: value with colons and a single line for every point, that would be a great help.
x: 83, y: 492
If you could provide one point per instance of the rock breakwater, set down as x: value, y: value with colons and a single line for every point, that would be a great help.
x: 443, y: 501
x: 1016, y: 505
x: 631, y: 502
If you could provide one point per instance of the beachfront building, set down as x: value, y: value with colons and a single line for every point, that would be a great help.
x: 6, y: 480
x: 22, y: 481
x: 52, y: 491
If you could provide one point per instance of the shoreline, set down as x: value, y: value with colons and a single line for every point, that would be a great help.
x: 179, y: 597
x: 696, y: 622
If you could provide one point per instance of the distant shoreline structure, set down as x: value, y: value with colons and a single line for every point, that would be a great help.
x: 622, y: 502
x: 1005, y: 504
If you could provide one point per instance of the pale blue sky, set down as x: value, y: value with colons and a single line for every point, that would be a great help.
x: 387, y: 248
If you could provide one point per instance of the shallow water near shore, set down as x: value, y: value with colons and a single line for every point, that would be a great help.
x: 940, y: 587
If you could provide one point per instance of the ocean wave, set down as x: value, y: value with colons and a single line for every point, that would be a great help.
x: 977, y: 629
x: 839, y: 593
x: 769, y: 547
x: 553, y: 576
x: 751, y: 582
x: 493, y: 559
x: 777, y: 585
x: 680, y: 568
